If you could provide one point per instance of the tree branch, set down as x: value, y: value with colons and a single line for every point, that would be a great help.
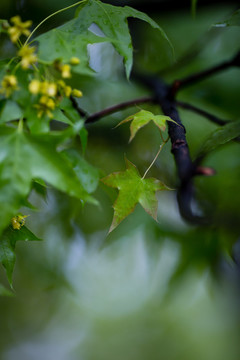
x: 204, y: 113
x: 192, y: 79
x: 81, y: 112
x: 115, y: 108
x: 164, y: 95
x: 185, y: 167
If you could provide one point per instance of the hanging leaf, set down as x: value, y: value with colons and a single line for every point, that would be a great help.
x: 72, y: 38
x: 7, y: 247
x: 233, y: 20
x: 133, y: 189
x: 9, y: 110
x: 142, y: 118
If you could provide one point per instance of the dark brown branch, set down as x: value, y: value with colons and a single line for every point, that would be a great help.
x: 185, y: 167
x: 192, y: 79
x: 81, y: 112
x: 199, y: 111
x: 115, y: 108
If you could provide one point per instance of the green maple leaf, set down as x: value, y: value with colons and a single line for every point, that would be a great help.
x: 63, y: 43
x: 142, y: 118
x: 133, y: 189
x: 25, y: 157
x: 72, y: 38
x: 8, y: 242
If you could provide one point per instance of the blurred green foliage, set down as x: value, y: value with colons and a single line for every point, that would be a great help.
x: 165, y: 290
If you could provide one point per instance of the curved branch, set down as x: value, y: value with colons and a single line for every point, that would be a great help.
x: 199, y: 111
x: 192, y: 79
x: 115, y: 108
x: 185, y: 167
x: 81, y: 112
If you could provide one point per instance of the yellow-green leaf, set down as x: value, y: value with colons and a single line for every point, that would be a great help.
x: 142, y: 118
x: 133, y: 189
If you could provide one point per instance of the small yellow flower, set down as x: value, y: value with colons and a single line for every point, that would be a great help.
x: 19, y: 28
x: 48, y: 88
x: 67, y: 91
x: 77, y: 93
x: 34, y: 86
x: 9, y: 85
x: 74, y: 60
x: 28, y: 56
x: 66, y: 71
x: 45, y: 106
x: 18, y: 221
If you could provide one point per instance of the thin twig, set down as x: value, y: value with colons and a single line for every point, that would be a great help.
x: 115, y: 108
x: 199, y: 111
x: 81, y: 112
x: 194, y: 78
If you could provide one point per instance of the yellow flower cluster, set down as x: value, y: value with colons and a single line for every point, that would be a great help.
x: 45, y: 106
x: 52, y: 88
x: 43, y: 87
x: 19, y: 28
x: 18, y: 221
x: 67, y: 91
x: 65, y: 69
x: 8, y: 85
x: 28, y: 56
x: 48, y: 91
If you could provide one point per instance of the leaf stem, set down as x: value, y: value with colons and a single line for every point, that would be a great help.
x: 53, y: 14
x: 155, y: 158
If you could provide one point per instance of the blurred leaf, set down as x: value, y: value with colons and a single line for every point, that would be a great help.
x: 40, y: 187
x: 9, y: 110
x: 194, y: 7
x: 142, y: 118
x: 133, y: 189
x: 60, y: 116
x: 64, y: 43
x: 35, y: 124
x: 86, y: 173
x: 112, y: 21
x: 72, y: 38
x: 219, y: 137
x: 84, y: 139
x: 69, y: 111
x: 233, y: 20
x: 7, y: 247
x: 3, y: 25
x: 4, y: 291
x: 25, y: 157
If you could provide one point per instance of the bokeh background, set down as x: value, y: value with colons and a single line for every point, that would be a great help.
x: 157, y: 291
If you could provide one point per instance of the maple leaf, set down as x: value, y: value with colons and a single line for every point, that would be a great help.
x: 142, y: 118
x: 133, y: 189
